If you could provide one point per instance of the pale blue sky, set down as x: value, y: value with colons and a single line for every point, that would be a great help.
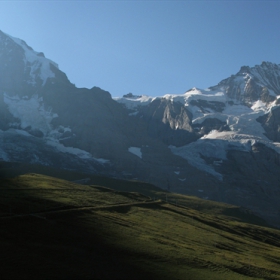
x: 147, y: 47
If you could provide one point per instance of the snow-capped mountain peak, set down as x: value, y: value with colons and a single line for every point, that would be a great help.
x: 223, y: 117
x: 221, y: 142
x: 261, y: 82
x: 36, y: 69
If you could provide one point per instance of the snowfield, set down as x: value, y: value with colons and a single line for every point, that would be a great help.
x: 74, y: 151
x: 136, y: 151
x: 31, y: 112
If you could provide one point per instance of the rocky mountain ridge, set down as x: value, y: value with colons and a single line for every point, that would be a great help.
x: 220, y: 143
x: 250, y: 84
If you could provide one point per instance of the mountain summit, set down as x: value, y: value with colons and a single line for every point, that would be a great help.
x: 29, y: 68
x: 219, y: 143
x: 261, y: 82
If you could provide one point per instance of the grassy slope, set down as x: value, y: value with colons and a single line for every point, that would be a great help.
x: 54, y: 229
x: 13, y: 169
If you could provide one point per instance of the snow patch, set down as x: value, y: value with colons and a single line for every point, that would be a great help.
x: 22, y: 132
x: 102, y: 160
x: 31, y: 112
x: 259, y: 105
x: 74, y: 151
x: 211, y: 147
x: 136, y: 151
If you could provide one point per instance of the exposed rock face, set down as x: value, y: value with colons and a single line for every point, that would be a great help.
x: 254, y: 179
x: 6, y: 118
x: 168, y: 121
x: 211, y: 124
x: 206, y: 105
x: 251, y: 84
x: 271, y: 124
x: 12, y: 61
x: 92, y: 116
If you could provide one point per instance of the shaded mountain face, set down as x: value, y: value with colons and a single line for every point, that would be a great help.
x: 271, y: 123
x: 219, y: 143
x: 169, y: 122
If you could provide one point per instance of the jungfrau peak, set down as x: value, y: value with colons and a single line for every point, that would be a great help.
x: 261, y: 82
x: 220, y: 143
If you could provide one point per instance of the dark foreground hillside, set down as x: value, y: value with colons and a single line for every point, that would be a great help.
x: 56, y: 229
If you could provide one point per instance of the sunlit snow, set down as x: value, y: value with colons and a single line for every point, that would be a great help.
x: 134, y: 102
x: 259, y: 106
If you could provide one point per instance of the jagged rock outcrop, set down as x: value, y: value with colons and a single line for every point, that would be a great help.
x: 206, y: 106
x: 261, y: 82
x: 168, y: 121
x: 271, y: 124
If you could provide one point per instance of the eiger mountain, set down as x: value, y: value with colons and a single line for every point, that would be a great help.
x: 221, y: 143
